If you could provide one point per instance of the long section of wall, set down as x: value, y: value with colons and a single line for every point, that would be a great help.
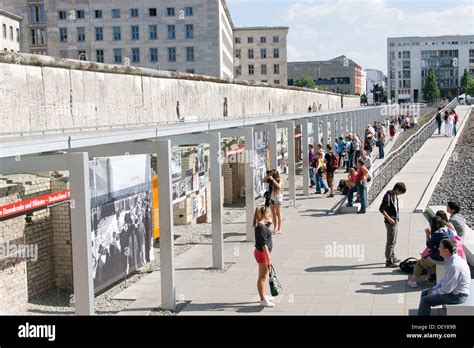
x: 44, y: 93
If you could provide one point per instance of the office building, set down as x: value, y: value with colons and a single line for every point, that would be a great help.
x: 10, y: 31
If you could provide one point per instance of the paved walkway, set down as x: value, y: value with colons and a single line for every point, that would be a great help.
x: 328, y: 264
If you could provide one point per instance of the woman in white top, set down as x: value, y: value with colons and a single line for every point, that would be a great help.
x: 450, y: 124
x: 276, y: 199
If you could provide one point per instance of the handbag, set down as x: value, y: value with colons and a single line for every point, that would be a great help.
x: 275, y: 285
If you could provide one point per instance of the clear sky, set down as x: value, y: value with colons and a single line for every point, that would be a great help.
x: 324, y: 29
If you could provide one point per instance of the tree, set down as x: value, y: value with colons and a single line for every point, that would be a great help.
x: 380, y: 94
x: 363, y: 98
x: 431, y: 92
x: 306, y: 81
x: 469, y: 86
x: 464, y: 80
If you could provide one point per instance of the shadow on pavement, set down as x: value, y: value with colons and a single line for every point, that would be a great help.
x: 344, y: 267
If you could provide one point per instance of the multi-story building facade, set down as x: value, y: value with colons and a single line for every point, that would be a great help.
x: 410, y: 58
x: 260, y: 54
x: 191, y: 36
x: 10, y: 31
x: 339, y: 74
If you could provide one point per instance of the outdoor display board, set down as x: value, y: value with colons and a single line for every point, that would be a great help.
x: 261, y: 157
x: 121, y: 213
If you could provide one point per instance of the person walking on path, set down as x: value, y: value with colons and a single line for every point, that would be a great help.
x: 456, y: 120
x: 362, y: 180
x: 263, y: 249
x: 439, y: 120
x: 391, y: 213
x: 331, y: 161
x: 319, y: 174
x: 450, y: 124
x: 311, y: 164
x: 381, y: 142
x: 454, y: 287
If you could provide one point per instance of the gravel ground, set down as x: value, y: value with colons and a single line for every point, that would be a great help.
x: 456, y: 182
x: 56, y: 302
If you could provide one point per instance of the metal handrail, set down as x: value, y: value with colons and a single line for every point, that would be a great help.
x: 152, y: 124
x: 400, y: 157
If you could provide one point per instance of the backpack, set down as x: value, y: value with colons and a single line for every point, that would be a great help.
x: 408, y: 265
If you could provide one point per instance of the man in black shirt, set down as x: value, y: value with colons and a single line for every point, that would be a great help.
x: 391, y: 213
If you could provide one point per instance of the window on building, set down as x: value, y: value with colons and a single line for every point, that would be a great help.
x: 238, y: 70
x: 263, y: 69
x: 117, y: 31
x: 99, y: 34
x: 37, y: 14
x: 11, y: 33
x: 188, y: 11
x: 250, y: 53
x: 190, y: 54
x: 170, y: 11
x: 134, y: 12
x: 171, y: 32
x: 63, y: 53
x: 99, y: 55
x: 98, y: 13
x: 81, y: 34
x: 37, y: 37
x: 238, y: 53
x: 276, y: 82
x: 276, y: 39
x: 263, y: 39
x: 18, y: 35
x: 250, y: 40
x: 172, y: 54
x: 135, y: 55
x: 62, y: 34
x: 237, y: 40
x: 406, y: 54
x: 153, y: 32
x: 264, y: 81
x: 189, y: 31
x: 400, y: 55
x: 276, y: 69
x: 135, y: 32
x: 117, y: 55
x: 263, y: 53
x: 276, y: 53
x: 251, y: 69
x: 153, y: 55
x: 80, y: 14
x: 190, y: 71
x: 81, y: 54
x: 116, y: 13
x: 152, y: 12
x: 62, y: 15
x: 4, y: 31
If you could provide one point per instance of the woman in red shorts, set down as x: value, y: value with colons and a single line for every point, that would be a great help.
x: 263, y: 248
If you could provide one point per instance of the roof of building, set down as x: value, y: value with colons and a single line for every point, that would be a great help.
x: 429, y: 37
x: 262, y: 28
x: 329, y: 61
x: 11, y: 15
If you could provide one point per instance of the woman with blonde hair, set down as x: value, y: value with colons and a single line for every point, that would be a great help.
x: 263, y: 248
x: 276, y: 198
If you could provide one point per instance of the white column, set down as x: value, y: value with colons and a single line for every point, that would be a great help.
x: 249, y: 182
x: 272, y: 135
x: 216, y: 200
x: 291, y: 163
x: 304, y: 145
x: 316, y: 139
x: 325, y: 131
x: 81, y: 233
x: 168, y: 288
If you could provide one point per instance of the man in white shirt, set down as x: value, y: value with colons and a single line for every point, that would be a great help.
x: 454, y: 287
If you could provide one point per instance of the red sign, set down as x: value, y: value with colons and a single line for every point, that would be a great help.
x: 28, y: 205
x: 235, y: 151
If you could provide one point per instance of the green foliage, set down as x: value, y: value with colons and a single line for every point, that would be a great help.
x: 363, y: 98
x: 431, y: 92
x: 306, y: 81
x: 464, y: 80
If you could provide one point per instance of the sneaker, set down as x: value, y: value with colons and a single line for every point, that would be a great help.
x: 349, y: 205
x: 317, y: 193
x: 266, y: 303
x: 269, y: 298
x: 326, y: 191
x: 412, y: 284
